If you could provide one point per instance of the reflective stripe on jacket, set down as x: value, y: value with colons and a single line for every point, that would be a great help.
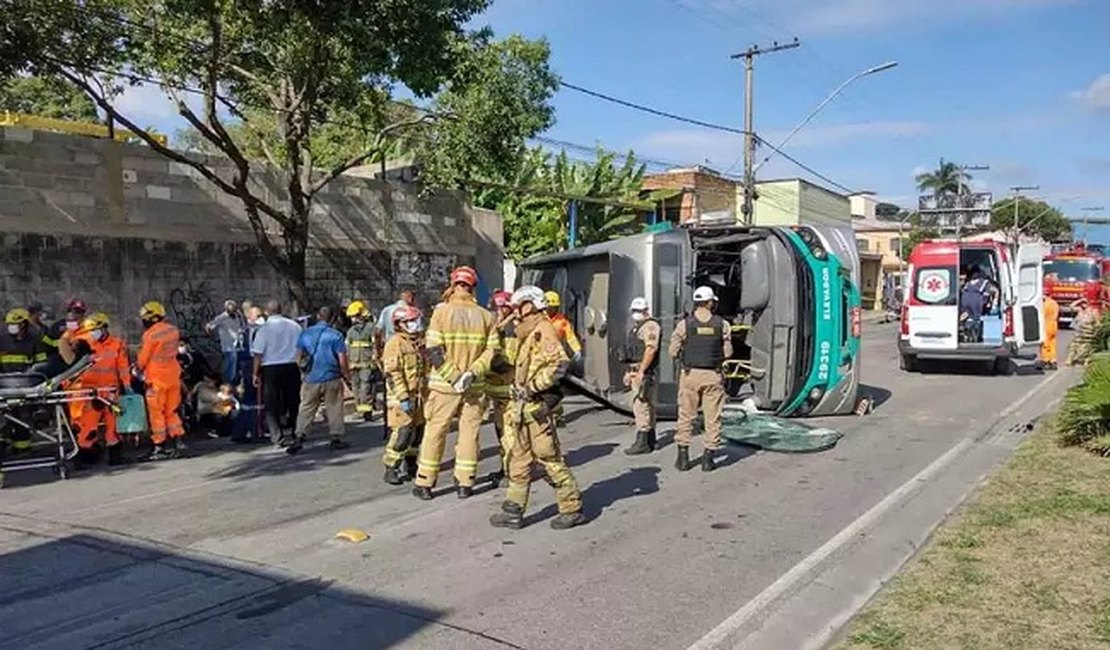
x: 158, y: 354
x: 405, y: 370
x: 110, y: 366
x: 360, y: 345
x: 540, y: 361
x: 461, y: 337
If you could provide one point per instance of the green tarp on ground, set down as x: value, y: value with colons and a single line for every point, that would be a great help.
x: 777, y: 434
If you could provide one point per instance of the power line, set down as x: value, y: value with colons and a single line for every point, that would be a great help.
x: 648, y: 109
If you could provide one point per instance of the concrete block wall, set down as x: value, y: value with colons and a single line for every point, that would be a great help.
x: 117, y: 224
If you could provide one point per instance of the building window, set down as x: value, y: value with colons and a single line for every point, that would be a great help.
x: 896, y: 245
x: 863, y: 245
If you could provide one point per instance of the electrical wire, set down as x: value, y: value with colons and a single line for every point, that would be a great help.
x: 650, y: 110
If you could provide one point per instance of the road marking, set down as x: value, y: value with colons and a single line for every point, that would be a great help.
x: 718, y: 635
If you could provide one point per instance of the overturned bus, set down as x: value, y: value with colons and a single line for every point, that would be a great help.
x: 790, y: 293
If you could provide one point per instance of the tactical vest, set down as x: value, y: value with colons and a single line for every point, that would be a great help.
x: 705, y: 345
x: 634, y: 347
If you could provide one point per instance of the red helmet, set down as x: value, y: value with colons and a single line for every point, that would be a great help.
x: 501, y: 299
x: 406, y: 313
x: 464, y: 275
x: 77, y: 305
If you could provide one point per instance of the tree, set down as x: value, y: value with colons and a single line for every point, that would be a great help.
x: 1034, y: 217
x: 947, y: 178
x: 887, y: 211
x: 46, y: 97
x: 303, y: 89
x: 916, y: 231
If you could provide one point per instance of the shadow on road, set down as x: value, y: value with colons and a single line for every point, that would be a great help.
x: 96, y: 590
x: 876, y: 394
x: 582, y: 412
x: 635, y: 482
x: 583, y: 455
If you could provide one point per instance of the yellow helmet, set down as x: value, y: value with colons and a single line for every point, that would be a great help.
x: 552, y: 299
x: 17, y: 316
x: 152, y: 309
x: 356, y: 308
x: 95, y: 321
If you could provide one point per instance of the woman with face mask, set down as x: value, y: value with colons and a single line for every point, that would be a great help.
x: 109, y: 375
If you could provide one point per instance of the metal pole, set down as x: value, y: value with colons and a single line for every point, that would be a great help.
x: 1086, y: 222
x: 1017, y: 199
x: 572, y: 231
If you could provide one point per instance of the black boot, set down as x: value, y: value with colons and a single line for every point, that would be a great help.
x: 682, y: 462
x: 707, y: 462
x: 567, y: 520
x: 422, y: 493
x: 159, y: 453
x: 641, y: 446
x: 392, y: 476
x: 410, y: 468
x: 115, y: 455
x: 179, y: 448
x: 511, y: 516
x: 464, y: 491
x: 652, y: 442
x: 496, y: 478
x: 86, y: 458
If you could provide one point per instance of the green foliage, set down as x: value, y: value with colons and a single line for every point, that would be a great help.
x: 888, y: 212
x: 947, y: 178
x: 917, y: 233
x: 309, y: 86
x: 1033, y: 217
x: 534, y: 200
x: 46, y: 97
x: 1084, y: 419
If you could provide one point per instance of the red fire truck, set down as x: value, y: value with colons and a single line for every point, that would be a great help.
x: 1080, y: 272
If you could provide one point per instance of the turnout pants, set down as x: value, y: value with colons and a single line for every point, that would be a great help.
x: 502, y: 407
x: 406, y: 433
x: 439, y: 412
x: 162, y: 404
x: 704, y: 389
x: 362, y: 385
x: 535, y: 441
x: 87, y: 416
x: 329, y: 394
x: 643, y: 409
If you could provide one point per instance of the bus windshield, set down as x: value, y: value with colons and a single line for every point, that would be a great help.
x: 1072, y: 270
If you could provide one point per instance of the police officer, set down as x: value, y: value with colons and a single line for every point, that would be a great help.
x: 642, y: 355
x: 361, y: 351
x: 702, y: 340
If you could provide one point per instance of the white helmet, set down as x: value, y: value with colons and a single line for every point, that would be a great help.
x: 638, y: 303
x: 704, y: 294
x: 529, y: 293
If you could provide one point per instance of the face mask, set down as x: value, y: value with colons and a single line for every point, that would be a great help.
x: 72, y: 325
x: 413, y: 326
x: 13, y: 329
x: 639, y: 316
x: 98, y: 335
x: 181, y: 349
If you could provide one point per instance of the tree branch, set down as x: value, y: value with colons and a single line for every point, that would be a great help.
x: 355, y: 161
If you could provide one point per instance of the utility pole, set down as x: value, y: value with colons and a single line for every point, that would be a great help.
x: 1086, y: 224
x: 749, y: 134
x: 1017, y: 190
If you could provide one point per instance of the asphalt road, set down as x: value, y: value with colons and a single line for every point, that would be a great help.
x: 235, y: 548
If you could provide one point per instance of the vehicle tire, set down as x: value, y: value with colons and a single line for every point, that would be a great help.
x: 908, y: 363
x: 1003, y: 366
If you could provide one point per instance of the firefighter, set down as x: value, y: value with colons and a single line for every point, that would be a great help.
x: 159, y: 370
x: 109, y: 374
x: 642, y: 355
x: 565, y: 331
x: 702, y: 340
x: 499, y: 381
x: 361, y: 357
x: 406, y: 390
x: 20, y: 348
x: 461, y: 341
x: 541, y: 363
x: 1047, y: 359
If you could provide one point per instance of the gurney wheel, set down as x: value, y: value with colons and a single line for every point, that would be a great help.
x: 63, y: 470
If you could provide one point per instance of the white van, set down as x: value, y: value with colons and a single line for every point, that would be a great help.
x: 931, y: 312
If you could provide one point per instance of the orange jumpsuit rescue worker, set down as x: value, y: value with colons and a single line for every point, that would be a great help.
x: 540, y: 364
x: 642, y: 355
x: 499, y: 381
x: 1051, y: 329
x: 702, y: 341
x: 461, y: 342
x: 563, y: 329
x: 109, y: 375
x: 406, y: 390
x: 161, y: 373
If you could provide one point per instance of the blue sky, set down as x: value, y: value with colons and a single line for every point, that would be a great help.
x: 1020, y: 85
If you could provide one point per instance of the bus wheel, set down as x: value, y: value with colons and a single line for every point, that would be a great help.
x: 908, y: 363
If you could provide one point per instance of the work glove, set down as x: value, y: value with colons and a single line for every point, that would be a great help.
x: 406, y: 405
x: 464, y: 382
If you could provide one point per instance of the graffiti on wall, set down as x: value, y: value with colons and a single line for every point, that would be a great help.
x: 427, y: 271
x: 191, y: 308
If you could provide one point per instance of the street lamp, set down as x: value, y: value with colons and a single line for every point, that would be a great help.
x: 879, y: 68
x: 1017, y: 190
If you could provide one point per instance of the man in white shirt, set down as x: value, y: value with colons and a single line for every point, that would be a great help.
x: 275, y: 369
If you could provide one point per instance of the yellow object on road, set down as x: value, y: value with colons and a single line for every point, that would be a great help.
x: 352, y: 535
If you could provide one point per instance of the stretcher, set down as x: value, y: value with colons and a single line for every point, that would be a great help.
x: 25, y: 398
